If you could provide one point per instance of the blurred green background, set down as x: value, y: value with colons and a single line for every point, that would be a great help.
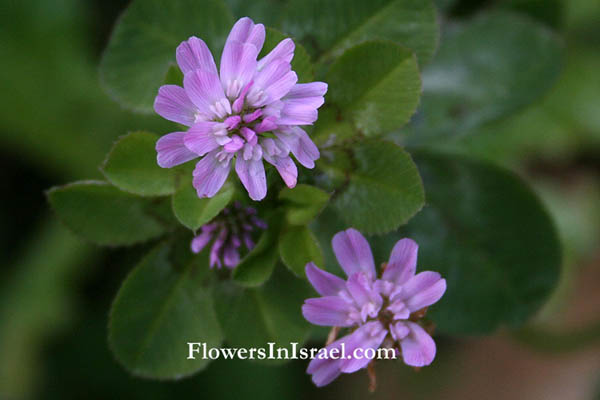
x: 56, y: 125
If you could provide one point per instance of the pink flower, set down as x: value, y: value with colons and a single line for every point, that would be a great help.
x: 233, y: 227
x: 382, y: 310
x: 251, y: 111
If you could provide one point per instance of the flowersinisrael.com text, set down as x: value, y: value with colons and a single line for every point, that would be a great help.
x: 273, y: 352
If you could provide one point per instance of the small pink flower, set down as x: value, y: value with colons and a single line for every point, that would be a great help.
x: 230, y: 229
x: 379, y: 308
x: 249, y: 112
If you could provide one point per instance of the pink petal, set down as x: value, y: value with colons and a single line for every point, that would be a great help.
x: 399, y: 331
x: 210, y: 174
x: 368, y: 336
x: 234, y: 145
x: 173, y: 103
x: 300, y: 144
x: 281, y: 87
x: 171, y: 150
x: 266, y: 125
x: 297, y: 113
x: 194, y: 54
x: 286, y: 168
x: 327, y: 311
x: 205, y: 91
x: 418, y: 348
x: 275, y: 80
x: 200, y: 138
x: 215, y: 250
x: 246, y: 31
x: 238, y: 65
x: 252, y: 175
x: 231, y: 256
x: 200, y: 241
x: 325, y: 370
x: 403, y: 262
x: 423, y: 290
x: 361, y: 289
x: 283, y: 51
x: 325, y: 284
x: 309, y: 93
x: 353, y: 253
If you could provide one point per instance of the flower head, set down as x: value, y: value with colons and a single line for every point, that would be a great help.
x: 383, y: 311
x: 248, y: 112
x: 230, y: 229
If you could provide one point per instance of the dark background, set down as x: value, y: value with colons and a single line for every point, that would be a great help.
x: 56, y: 125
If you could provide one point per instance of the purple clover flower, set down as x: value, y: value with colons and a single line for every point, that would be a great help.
x: 232, y: 227
x: 382, y: 312
x: 251, y: 111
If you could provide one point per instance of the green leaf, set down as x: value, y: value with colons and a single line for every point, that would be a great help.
x: 192, y: 211
x: 256, y: 268
x: 383, y: 188
x: 131, y: 166
x: 376, y: 85
x: 488, y: 234
x: 271, y: 313
x: 330, y: 27
x: 471, y: 82
x: 267, y: 12
x: 297, y: 247
x: 159, y: 308
x: 445, y: 5
x: 39, y: 300
x: 174, y: 76
x: 550, y: 12
x: 303, y: 203
x: 301, y: 63
x: 142, y: 46
x: 103, y: 214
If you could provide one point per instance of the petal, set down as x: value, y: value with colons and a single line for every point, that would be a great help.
x: 325, y: 370
x: 234, y: 145
x: 309, y: 93
x: 353, y: 253
x: 267, y: 124
x: 171, y: 150
x: 300, y: 144
x: 327, y: 311
x: 286, y: 168
x: 252, y: 175
x: 295, y: 112
x: 275, y: 80
x: 200, y: 241
x: 238, y: 65
x: 281, y: 87
x: 362, y: 291
x: 210, y: 174
x: 215, y: 250
x: 173, y: 103
x: 194, y: 54
x: 418, y: 348
x: 325, y: 284
x: 423, y: 290
x: 368, y: 336
x: 399, y: 331
x: 399, y: 310
x: 205, y: 91
x: 200, y: 138
x: 283, y: 51
x: 311, y: 89
x: 231, y: 256
x: 270, y: 74
x: 403, y: 262
x: 246, y: 31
